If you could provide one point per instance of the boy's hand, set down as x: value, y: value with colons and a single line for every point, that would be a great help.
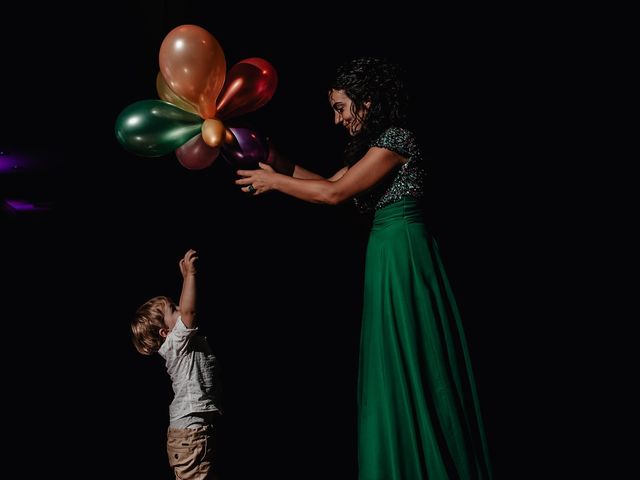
x: 187, y: 263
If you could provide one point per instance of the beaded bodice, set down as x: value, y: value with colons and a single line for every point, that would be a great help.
x: 406, y: 180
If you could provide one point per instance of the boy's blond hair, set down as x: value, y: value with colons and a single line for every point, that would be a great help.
x: 146, y: 325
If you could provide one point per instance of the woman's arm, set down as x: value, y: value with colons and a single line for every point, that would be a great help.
x: 305, y: 174
x: 282, y: 165
x: 368, y: 171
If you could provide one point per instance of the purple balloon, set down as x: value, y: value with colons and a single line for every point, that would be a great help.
x: 249, y: 148
x: 196, y: 154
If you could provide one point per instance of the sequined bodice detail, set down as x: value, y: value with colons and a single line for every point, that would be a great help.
x: 407, y: 180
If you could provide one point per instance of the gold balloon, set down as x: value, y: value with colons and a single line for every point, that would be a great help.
x: 168, y: 95
x: 214, y: 132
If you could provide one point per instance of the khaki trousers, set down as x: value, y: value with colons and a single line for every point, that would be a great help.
x: 191, y: 452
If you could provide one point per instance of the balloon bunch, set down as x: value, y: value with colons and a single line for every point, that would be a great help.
x: 196, y: 99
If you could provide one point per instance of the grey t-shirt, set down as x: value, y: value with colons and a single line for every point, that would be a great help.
x: 191, y: 366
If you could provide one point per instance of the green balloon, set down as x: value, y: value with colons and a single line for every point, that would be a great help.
x: 152, y: 128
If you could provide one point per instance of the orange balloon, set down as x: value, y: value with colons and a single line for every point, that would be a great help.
x: 193, y: 65
x: 168, y: 95
x: 250, y: 84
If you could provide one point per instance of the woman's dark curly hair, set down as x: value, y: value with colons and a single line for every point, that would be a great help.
x: 381, y: 83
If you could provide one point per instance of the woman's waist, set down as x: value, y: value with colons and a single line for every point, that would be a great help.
x: 405, y: 210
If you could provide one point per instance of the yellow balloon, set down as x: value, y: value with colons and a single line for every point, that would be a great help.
x: 168, y: 95
x: 214, y: 132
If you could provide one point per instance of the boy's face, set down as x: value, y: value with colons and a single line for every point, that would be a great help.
x: 171, y: 314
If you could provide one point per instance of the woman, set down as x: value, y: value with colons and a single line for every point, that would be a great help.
x: 418, y: 412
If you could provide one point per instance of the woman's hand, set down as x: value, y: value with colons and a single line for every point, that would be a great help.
x: 256, y: 182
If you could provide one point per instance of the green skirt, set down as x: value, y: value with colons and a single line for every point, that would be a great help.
x: 418, y: 411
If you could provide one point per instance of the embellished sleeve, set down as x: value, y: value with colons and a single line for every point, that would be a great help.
x: 397, y: 140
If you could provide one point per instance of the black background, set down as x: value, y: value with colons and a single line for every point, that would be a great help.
x: 279, y: 280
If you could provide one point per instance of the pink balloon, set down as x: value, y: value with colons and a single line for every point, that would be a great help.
x: 250, y: 84
x: 196, y: 154
x: 193, y: 65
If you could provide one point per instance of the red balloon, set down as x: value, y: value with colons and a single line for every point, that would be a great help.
x: 196, y: 154
x: 249, y: 85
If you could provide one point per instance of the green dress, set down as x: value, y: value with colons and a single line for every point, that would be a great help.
x: 418, y: 411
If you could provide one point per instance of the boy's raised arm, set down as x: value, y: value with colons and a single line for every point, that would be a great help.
x: 188, y: 295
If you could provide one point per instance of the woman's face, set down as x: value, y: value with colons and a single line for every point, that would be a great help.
x: 344, y: 111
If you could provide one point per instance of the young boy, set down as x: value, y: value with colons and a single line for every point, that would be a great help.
x: 169, y: 329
